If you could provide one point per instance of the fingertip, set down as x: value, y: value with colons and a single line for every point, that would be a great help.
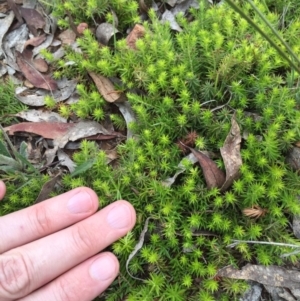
x: 105, y: 267
x: 2, y: 190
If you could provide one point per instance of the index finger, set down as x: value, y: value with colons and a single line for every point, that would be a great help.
x: 47, y: 217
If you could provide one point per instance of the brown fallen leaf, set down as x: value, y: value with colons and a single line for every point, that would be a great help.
x: 231, y: 154
x: 35, y: 41
x: 267, y: 275
x: 136, y: 33
x: 39, y: 80
x: 48, y: 188
x: 213, y: 175
x: 61, y: 133
x: 256, y: 211
x: 33, y: 19
x: 107, y: 89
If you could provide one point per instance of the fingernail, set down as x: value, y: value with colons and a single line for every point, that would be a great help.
x: 119, y: 216
x: 80, y: 203
x: 103, y: 268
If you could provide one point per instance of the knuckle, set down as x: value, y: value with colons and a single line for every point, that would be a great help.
x: 64, y: 290
x: 41, y: 220
x: 15, y: 279
x: 83, y: 239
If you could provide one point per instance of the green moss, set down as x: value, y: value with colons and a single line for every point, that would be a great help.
x: 195, y: 81
x: 9, y: 104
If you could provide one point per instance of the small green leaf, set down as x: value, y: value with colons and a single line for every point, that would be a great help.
x: 83, y: 167
x: 23, y: 149
x: 3, y: 150
x: 9, y: 161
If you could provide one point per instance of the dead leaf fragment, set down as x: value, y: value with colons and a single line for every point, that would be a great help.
x: 33, y: 19
x: 136, y: 33
x: 267, y: 275
x: 231, y: 154
x: 255, y: 211
x: 67, y: 37
x: 35, y: 41
x: 105, y: 32
x: 213, y: 175
x: 128, y: 114
x: 39, y: 80
x: 40, y: 64
x: 107, y: 89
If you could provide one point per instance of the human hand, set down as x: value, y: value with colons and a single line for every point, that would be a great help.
x: 47, y: 251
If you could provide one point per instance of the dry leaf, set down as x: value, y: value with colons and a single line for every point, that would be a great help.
x: 213, y: 175
x: 65, y: 160
x: 33, y: 19
x: 107, y: 89
x: 39, y: 116
x: 105, y: 32
x: 14, y: 7
x: 192, y: 158
x: 267, y: 275
x: 61, y: 133
x: 231, y: 154
x: 256, y: 211
x: 128, y: 114
x: 136, y: 33
x: 32, y: 74
x: 67, y: 37
x: 48, y: 188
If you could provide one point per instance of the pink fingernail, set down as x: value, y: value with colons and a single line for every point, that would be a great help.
x: 103, y: 268
x: 119, y: 217
x: 81, y: 202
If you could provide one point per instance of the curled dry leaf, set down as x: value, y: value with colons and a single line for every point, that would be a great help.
x: 267, y: 275
x: 107, y: 89
x: 32, y: 74
x: 213, y: 175
x: 136, y: 33
x: 137, y: 247
x: 128, y: 115
x: 231, y: 154
x: 105, y: 32
x: 192, y: 158
x: 256, y: 211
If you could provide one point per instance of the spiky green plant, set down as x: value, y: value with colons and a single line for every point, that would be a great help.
x: 194, y: 81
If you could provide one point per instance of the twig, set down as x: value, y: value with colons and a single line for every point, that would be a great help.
x: 236, y: 242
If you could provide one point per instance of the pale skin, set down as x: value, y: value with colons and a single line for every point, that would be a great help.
x: 50, y: 251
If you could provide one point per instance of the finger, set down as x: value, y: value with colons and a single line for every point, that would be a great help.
x: 82, y: 283
x: 47, y: 217
x: 2, y: 190
x: 37, y: 263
